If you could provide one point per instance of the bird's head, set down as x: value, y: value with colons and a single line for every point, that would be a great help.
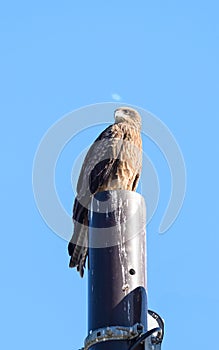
x: 128, y: 115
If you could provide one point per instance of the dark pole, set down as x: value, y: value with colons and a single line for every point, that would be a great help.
x: 117, y: 287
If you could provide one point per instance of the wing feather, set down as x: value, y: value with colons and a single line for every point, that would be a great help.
x: 100, y: 160
x: 98, y: 164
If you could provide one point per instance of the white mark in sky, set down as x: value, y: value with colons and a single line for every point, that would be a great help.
x: 116, y: 96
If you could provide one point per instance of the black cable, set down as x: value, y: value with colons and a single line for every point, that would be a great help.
x: 144, y: 336
x: 160, y: 322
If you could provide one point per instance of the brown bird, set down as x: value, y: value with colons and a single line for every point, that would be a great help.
x: 113, y: 162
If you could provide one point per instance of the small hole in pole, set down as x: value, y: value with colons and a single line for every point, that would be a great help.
x: 132, y: 272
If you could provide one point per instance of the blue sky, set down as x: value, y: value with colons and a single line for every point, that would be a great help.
x: 57, y: 57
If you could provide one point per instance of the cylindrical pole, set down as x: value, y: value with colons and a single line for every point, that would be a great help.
x: 117, y: 265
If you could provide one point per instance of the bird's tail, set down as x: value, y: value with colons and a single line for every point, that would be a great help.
x: 78, y: 248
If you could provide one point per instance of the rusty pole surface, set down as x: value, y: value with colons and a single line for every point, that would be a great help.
x: 117, y: 288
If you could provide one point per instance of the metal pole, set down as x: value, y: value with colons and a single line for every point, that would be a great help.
x: 117, y: 270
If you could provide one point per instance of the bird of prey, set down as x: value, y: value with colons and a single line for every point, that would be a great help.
x: 113, y: 162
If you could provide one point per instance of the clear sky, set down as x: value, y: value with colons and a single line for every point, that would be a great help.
x: 59, y: 56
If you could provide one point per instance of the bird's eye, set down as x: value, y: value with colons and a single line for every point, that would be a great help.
x: 126, y: 111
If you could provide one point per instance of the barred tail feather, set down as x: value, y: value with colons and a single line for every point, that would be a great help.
x: 78, y: 248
